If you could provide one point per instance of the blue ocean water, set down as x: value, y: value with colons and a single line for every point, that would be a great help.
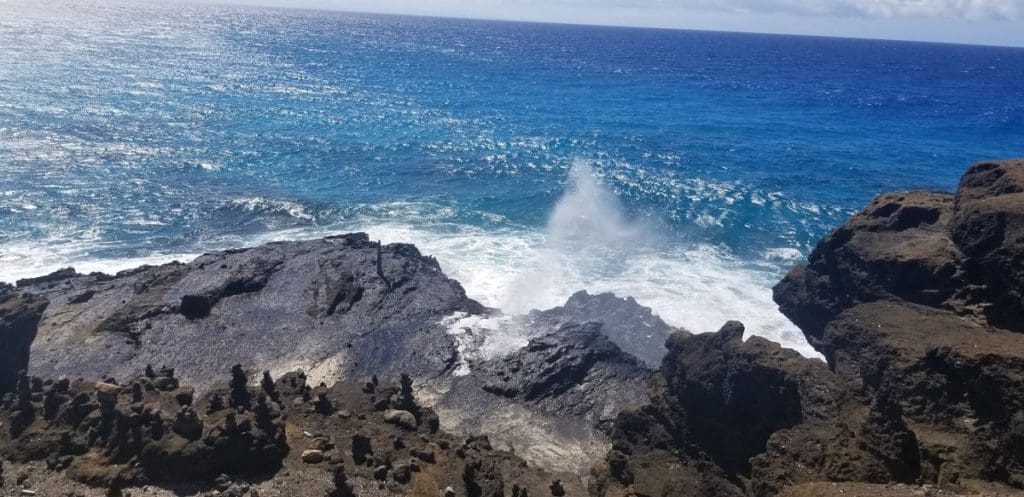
x: 688, y: 169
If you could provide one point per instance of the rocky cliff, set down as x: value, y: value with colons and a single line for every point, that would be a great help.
x: 918, y: 296
x: 915, y: 303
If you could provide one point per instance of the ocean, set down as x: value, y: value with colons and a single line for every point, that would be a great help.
x: 687, y: 169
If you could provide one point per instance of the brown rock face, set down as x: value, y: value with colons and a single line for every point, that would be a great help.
x: 897, y: 247
x: 988, y: 226
x: 916, y: 303
x: 963, y: 253
x: 19, y: 317
x: 749, y: 418
x: 918, y: 299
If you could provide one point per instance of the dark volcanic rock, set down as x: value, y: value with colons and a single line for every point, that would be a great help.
x: 575, y: 371
x: 746, y: 418
x: 113, y: 436
x: 550, y: 399
x: 736, y: 394
x: 633, y: 327
x: 19, y: 316
x: 915, y: 302
x: 320, y: 305
x: 959, y: 383
x: 963, y: 253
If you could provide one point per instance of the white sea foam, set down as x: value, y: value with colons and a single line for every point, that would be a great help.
x: 28, y: 260
x: 698, y: 287
x: 589, y: 245
x: 263, y: 204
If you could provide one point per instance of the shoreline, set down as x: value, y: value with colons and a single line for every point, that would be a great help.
x: 921, y: 387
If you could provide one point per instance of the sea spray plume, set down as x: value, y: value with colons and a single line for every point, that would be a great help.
x: 589, y: 238
x: 589, y: 217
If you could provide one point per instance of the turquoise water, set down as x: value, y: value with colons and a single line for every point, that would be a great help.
x: 705, y: 164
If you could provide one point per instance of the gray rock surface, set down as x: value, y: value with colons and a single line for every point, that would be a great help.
x: 575, y: 371
x: 321, y: 305
x: 631, y: 326
x: 19, y: 316
x: 550, y: 400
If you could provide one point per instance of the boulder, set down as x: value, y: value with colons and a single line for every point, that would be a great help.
x: 631, y: 326
x: 551, y: 400
x: 574, y: 371
x: 19, y: 317
x: 404, y: 419
x: 897, y: 247
x: 312, y: 456
x: 316, y: 304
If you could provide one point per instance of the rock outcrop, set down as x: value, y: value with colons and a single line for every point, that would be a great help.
x: 552, y: 400
x: 918, y: 298
x: 913, y: 302
x: 988, y: 228
x: 744, y: 418
x: 575, y: 371
x: 320, y: 305
x: 633, y: 327
x: 19, y: 317
x: 962, y: 253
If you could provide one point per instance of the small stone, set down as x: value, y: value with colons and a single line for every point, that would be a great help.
x: 397, y: 417
x: 380, y: 473
x: 323, y: 444
x: 344, y: 414
x: 426, y: 455
x: 187, y: 424
x: 222, y: 483
x: 361, y: 447
x: 402, y: 474
x: 165, y: 383
x: 449, y: 492
x: 106, y: 393
x: 557, y: 489
x: 312, y: 456
x: 184, y: 396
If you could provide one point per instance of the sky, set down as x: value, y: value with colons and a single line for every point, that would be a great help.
x: 989, y: 22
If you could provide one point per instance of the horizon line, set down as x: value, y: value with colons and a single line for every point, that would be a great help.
x: 220, y: 3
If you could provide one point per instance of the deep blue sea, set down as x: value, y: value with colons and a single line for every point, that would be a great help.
x: 687, y: 169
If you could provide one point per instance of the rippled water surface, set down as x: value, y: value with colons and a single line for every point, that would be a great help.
x: 687, y: 169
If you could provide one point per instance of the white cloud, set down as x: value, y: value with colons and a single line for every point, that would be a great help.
x: 886, y: 9
x: 988, y: 22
